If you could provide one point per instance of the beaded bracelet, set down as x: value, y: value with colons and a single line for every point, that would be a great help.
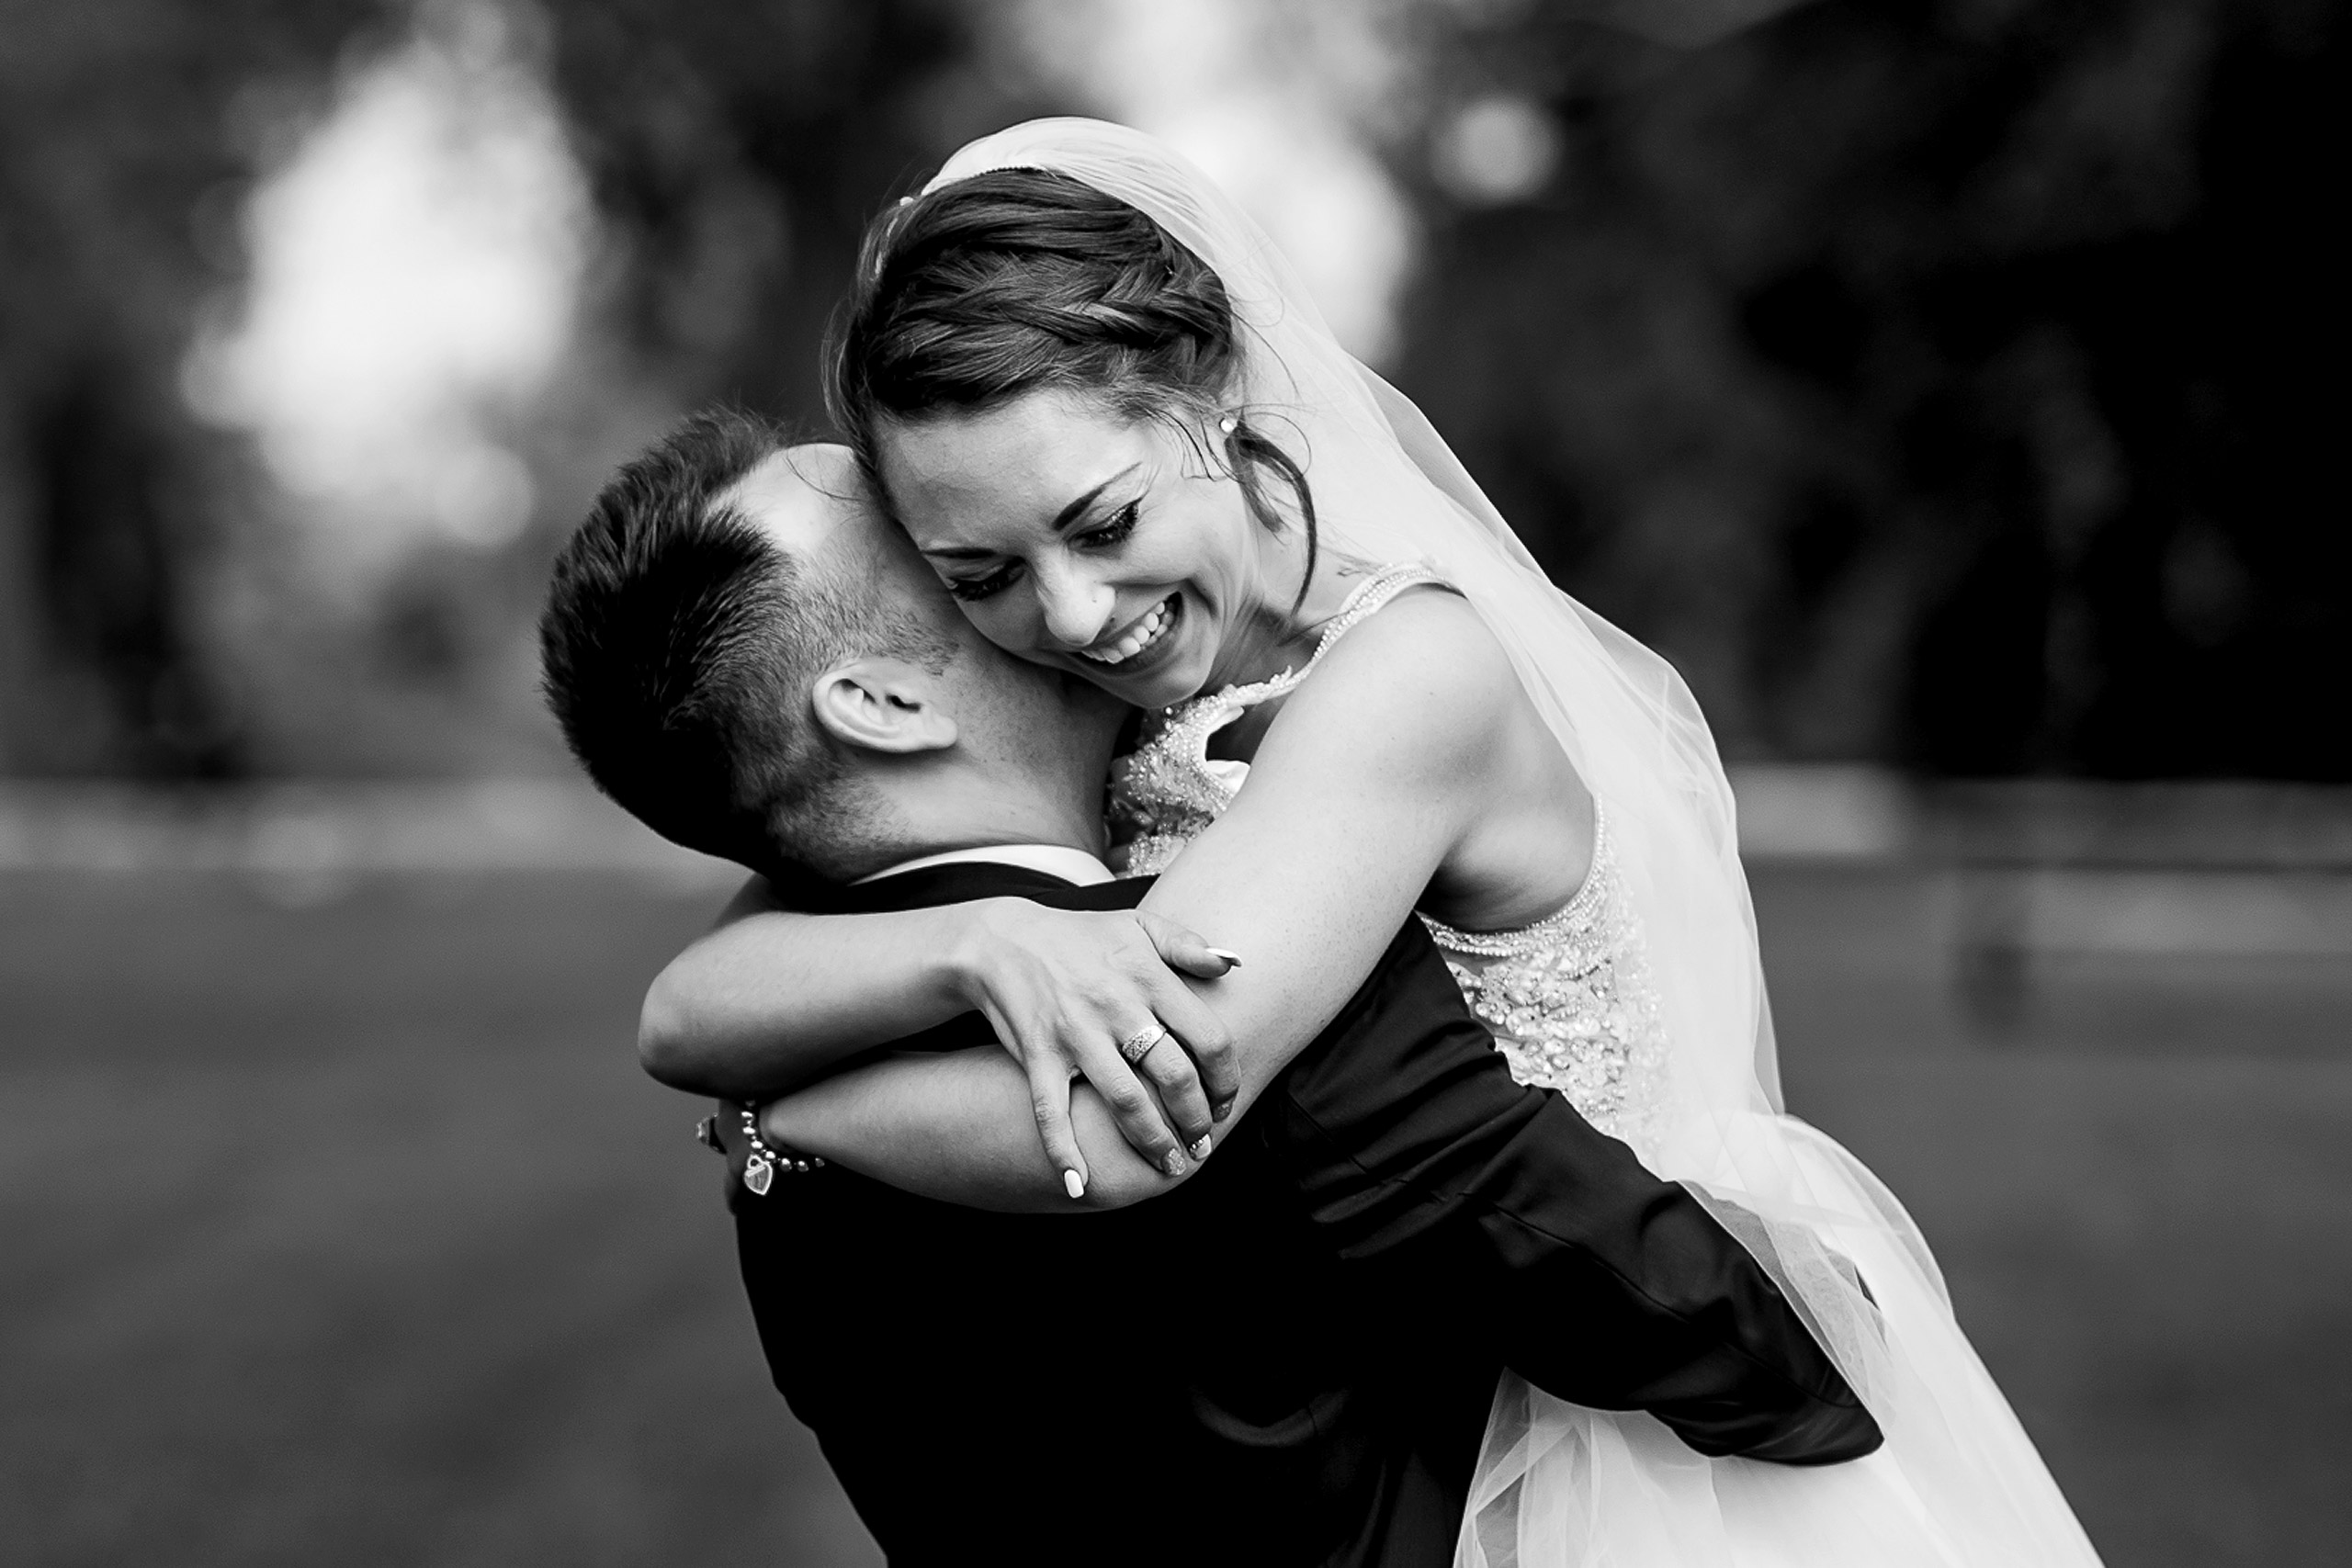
x: 759, y: 1170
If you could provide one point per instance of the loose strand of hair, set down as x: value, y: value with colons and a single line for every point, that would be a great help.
x: 1246, y: 448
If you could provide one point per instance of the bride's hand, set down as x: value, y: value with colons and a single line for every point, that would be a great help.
x: 1063, y: 989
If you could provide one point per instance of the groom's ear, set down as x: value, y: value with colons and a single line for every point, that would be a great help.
x: 884, y: 704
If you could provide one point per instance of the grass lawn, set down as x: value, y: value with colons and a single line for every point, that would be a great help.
x: 350, y: 1231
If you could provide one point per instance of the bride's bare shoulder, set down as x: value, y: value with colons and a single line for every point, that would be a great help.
x: 1425, y: 660
x: 1428, y: 628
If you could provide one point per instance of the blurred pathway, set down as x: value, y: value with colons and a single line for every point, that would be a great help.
x: 341, y: 1225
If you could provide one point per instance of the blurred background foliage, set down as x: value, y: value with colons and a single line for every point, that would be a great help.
x: 1947, y: 385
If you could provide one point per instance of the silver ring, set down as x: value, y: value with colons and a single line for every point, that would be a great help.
x: 1136, y: 1047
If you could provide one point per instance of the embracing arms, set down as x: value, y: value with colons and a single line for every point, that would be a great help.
x: 955, y: 1125
x: 1370, y: 777
x: 772, y: 1000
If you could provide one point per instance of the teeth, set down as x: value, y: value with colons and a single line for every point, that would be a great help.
x: 1144, y: 634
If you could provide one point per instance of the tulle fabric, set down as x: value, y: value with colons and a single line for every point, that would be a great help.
x: 1957, y: 1481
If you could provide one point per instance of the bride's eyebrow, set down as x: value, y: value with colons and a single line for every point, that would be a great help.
x: 1062, y: 520
x: 1077, y: 509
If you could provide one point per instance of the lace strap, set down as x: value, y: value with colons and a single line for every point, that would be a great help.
x: 1369, y: 596
x: 1575, y: 915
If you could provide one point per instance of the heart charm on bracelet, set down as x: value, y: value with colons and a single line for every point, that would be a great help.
x: 758, y: 1174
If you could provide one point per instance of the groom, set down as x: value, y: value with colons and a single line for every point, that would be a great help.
x: 1287, y: 1359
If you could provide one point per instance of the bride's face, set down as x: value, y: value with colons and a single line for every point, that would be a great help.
x: 1081, y: 541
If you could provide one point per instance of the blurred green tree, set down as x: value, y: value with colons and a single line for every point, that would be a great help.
x: 116, y: 173
x: 734, y: 152
x: 1947, y: 384
x: 1951, y: 383
x: 738, y: 152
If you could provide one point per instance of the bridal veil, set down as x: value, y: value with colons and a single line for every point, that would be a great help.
x: 1958, y: 1481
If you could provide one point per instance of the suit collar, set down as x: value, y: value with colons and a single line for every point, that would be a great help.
x: 955, y: 883
x: 1073, y: 866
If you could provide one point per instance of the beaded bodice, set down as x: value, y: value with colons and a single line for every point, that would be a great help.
x: 1569, y: 998
x: 1570, y: 1001
x: 1169, y: 788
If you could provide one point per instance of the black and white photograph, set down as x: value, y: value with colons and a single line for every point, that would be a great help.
x: 1302, y: 784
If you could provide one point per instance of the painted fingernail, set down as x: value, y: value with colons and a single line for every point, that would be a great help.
x: 1227, y: 955
x: 1221, y: 1110
x: 1174, y: 1164
x: 1200, y: 1148
x: 1074, y: 1184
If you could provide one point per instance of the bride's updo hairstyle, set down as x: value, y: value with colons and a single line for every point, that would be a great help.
x: 1019, y: 280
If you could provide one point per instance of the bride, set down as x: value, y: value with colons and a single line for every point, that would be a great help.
x: 1103, y: 409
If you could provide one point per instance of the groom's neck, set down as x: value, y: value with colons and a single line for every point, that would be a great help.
x: 1020, y: 773
x: 970, y: 808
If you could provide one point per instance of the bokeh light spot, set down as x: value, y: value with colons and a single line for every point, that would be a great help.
x: 416, y: 266
x: 1496, y: 150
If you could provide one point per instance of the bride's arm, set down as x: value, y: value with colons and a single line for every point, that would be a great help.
x: 773, y: 997
x: 957, y: 1126
x: 1361, y: 787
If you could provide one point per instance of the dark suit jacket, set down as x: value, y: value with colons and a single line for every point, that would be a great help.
x: 1289, y: 1357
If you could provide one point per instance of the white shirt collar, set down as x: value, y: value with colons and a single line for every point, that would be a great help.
x: 1074, y: 866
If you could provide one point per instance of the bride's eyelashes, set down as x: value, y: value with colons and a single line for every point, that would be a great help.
x: 987, y: 585
x: 1114, y: 530
x: 1107, y: 534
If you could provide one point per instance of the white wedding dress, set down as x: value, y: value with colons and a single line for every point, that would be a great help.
x: 1641, y: 1000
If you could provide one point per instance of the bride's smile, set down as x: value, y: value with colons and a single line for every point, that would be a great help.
x: 1131, y: 643
x: 1096, y: 544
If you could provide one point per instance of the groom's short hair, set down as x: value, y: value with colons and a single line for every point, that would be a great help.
x: 680, y: 644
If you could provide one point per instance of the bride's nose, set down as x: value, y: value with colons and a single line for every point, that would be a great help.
x: 1077, y: 607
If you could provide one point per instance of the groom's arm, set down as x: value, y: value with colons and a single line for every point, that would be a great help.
x: 1417, y: 1151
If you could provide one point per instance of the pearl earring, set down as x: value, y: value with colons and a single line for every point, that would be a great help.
x: 1228, y: 424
